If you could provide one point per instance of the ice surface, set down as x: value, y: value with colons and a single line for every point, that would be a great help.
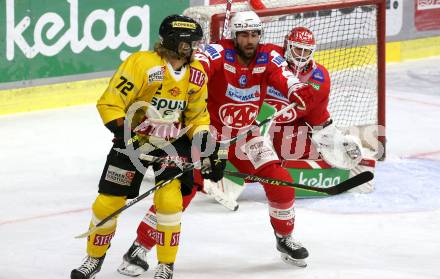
x: 51, y: 162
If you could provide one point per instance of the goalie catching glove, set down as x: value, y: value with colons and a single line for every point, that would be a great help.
x: 213, y: 158
x: 338, y: 150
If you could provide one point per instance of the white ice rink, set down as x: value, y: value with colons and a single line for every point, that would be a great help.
x: 51, y: 162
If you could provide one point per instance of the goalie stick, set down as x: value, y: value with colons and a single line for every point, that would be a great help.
x: 185, y: 168
x: 339, y: 188
x: 344, y: 186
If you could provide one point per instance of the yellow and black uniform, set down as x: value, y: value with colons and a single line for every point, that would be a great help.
x: 149, y: 82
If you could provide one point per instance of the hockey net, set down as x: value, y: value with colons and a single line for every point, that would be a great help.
x: 350, y: 35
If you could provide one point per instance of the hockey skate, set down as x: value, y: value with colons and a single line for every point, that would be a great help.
x: 164, y: 271
x: 134, y: 261
x: 88, y: 268
x: 292, y: 251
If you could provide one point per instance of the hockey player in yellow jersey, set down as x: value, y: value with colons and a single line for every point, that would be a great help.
x: 154, y: 97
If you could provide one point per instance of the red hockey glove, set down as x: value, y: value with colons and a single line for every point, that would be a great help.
x: 301, y: 94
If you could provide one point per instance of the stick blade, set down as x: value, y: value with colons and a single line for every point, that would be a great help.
x: 87, y: 233
x: 350, y: 183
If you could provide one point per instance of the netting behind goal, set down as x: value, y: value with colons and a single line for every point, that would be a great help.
x: 350, y: 37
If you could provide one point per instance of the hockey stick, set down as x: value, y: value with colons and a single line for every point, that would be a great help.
x: 185, y: 168
x: 344, y: 186
x: 254, y: 127
x: 219, y: 196
x: 225, y: 32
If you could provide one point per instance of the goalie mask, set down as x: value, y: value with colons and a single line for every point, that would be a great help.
x: 299, y: 47
x: 175, y: 29
x: 245, y: 21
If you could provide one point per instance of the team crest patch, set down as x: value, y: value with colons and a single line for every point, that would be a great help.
x: 119, y: 176
x: 243, y: 80
x: 175, y: 91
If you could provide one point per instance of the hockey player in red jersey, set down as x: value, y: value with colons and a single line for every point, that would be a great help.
x: 240, y: 71
x: 291, y: 132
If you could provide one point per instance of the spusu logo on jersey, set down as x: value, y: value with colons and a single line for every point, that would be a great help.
x: 238, y: 115
x: 167, y: 106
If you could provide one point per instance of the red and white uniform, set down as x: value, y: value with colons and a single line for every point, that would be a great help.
x: 290, y: 131
x: 236, y: 92
x: 235, y: 96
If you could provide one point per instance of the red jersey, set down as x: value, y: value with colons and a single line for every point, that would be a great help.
x: 236, y: 92
x: 317, y: 113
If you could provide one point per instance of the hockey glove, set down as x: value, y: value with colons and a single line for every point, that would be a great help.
x: 213, y: 158
x: 339, y: 150
x: 301, y: 94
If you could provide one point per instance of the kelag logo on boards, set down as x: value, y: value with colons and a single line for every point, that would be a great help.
x: 56, y: 38
x: 52, y: 31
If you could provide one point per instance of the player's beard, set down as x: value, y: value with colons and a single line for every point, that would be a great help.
x: 247, y: 52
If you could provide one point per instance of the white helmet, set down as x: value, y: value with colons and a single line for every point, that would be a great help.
x: 245, y: 21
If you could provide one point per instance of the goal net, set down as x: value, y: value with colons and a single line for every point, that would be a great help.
x: 350, y: 37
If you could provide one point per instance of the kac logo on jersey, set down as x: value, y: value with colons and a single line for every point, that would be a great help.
x: 242, y: 80
x: 238, y: 115
x: 229, y: 55
x: 243, y: 95
x: 262, y: 58
x: 286, y: 117
x: 318, y: 75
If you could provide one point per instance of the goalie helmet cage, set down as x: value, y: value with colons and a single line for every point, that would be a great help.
x: 350, y: 38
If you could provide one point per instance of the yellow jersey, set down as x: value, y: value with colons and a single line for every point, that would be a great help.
x: 146, y: 77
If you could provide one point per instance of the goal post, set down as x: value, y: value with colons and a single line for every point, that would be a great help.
x: 350, y: 37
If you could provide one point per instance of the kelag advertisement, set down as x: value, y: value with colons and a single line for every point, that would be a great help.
x: 52, y: 38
